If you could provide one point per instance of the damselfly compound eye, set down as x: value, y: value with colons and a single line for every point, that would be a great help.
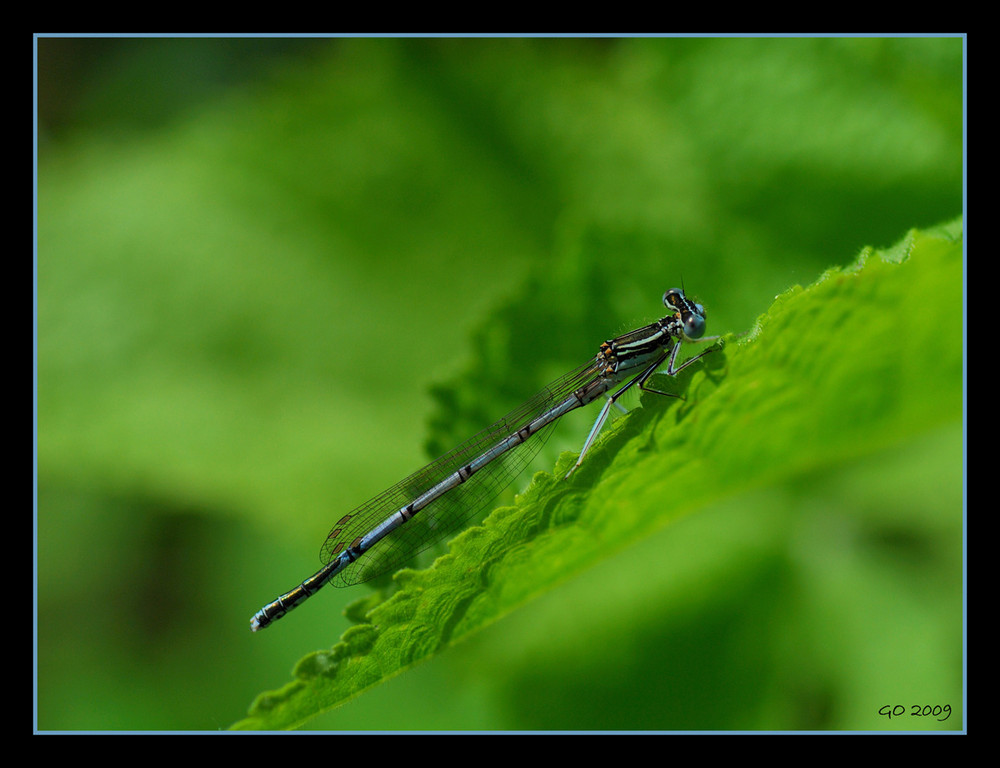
x: 694, y: 326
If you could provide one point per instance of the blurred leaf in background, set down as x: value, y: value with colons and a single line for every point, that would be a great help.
x: 256, y: 258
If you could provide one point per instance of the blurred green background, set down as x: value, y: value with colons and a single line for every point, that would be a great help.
x: 274, y: 276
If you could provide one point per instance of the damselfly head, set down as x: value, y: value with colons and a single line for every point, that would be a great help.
x: 690, y: 314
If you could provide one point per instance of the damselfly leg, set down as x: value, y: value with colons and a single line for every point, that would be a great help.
x: 640, y: 380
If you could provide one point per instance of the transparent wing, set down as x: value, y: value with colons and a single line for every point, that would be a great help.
x: 449, y: 512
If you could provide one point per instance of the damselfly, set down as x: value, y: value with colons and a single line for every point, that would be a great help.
x: 391, y: 528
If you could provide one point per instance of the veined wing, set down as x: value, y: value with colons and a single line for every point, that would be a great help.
x: 447, y: 513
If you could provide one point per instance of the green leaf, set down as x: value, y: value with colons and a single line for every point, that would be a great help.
x: 866, y: 357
